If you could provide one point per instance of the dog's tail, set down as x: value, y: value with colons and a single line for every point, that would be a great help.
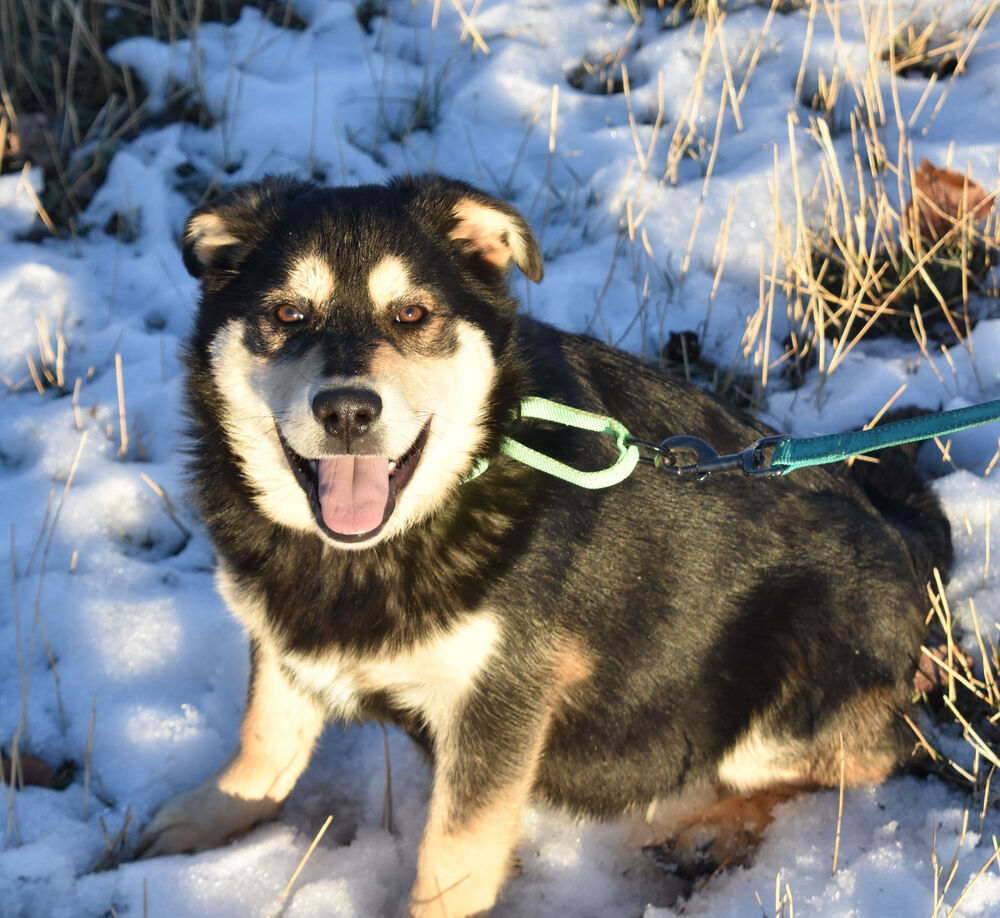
x: 899, y: 491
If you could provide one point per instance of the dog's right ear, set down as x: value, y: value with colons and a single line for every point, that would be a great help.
x: 208, y: 243
x: 218, y: 236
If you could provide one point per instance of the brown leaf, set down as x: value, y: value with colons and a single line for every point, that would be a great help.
x: 33, y: 771
x: 941, y: 198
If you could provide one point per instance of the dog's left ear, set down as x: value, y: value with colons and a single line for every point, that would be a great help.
x: 497, y: 233
x: 484, y: 227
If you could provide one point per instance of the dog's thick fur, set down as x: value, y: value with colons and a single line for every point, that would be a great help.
x: 664, y: 645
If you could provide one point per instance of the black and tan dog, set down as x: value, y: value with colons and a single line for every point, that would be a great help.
x: 664, y: 645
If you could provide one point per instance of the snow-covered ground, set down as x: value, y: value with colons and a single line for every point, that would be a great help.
x: 114, y: 586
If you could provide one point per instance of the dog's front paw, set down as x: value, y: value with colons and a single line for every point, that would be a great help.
x: 205, y: 817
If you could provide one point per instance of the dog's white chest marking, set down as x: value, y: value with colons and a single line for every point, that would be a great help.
x: 431, y: 679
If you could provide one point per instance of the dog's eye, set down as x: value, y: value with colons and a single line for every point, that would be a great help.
x: 288, y: 314
x: 410, y: 315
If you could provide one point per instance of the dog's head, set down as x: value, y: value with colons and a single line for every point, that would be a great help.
x: 352, y: 336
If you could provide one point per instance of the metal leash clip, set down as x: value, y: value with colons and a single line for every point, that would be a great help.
x: 749, y: 461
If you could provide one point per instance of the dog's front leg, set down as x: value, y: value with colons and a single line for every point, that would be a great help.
x: 482, y: 782
x: 280, y: 726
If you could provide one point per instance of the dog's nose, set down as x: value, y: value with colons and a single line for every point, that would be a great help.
x: 347, y: 413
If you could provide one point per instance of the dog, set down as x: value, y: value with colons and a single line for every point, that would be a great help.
x: 684, y: 652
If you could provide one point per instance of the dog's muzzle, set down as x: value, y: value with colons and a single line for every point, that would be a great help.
x: 353, y: 496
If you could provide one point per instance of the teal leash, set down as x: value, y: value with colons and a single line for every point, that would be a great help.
x: 791, y: 454
x: 768, y: 456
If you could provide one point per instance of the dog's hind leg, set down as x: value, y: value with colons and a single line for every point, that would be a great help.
x: 280, y: 726
x: 725, y: 833
x: 861, y: 744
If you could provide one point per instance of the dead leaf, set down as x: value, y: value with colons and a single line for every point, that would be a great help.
x: 941, y: 198
x: 33, y: 770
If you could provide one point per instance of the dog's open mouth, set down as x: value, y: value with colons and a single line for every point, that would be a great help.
x: 352, y: 497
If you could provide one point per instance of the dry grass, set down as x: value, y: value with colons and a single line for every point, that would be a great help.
x: 282, y: 899
x: 851, y: 263
x: 46, y: 365
x: 784, y: 902
x: 64, y: 106
x: 115, y: 845
x: 854, y: 262
x: 944, y: 874
x: 967, y: 703
x: 969, y: 700
x: 666, y: 145
x: 670, y: 14
x: 604, y: 74
x: 20, y: 742
x: 926, y: 44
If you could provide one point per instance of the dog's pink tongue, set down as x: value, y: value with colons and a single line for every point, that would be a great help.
x: 353, y: 492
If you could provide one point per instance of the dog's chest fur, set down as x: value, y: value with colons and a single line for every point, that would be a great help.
x: 424, y: 682
x: 427, y: 681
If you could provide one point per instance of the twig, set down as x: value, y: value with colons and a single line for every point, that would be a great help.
x: 168, y: 505
x: 122, y: 423
x: 13, y: 829
x: 86, y: 759
x: 840, y: 806
x: 473, y: 31
x: 305, y: 857
x: 22, y: 678
x: 387, y: 797
x: 25, y: 185
x: 39, y: 623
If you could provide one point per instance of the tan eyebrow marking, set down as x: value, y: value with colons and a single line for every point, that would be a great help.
x: 389, y: 280
x: 312, y: 279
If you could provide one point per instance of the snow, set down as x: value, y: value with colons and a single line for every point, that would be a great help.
x: 115, y: 579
